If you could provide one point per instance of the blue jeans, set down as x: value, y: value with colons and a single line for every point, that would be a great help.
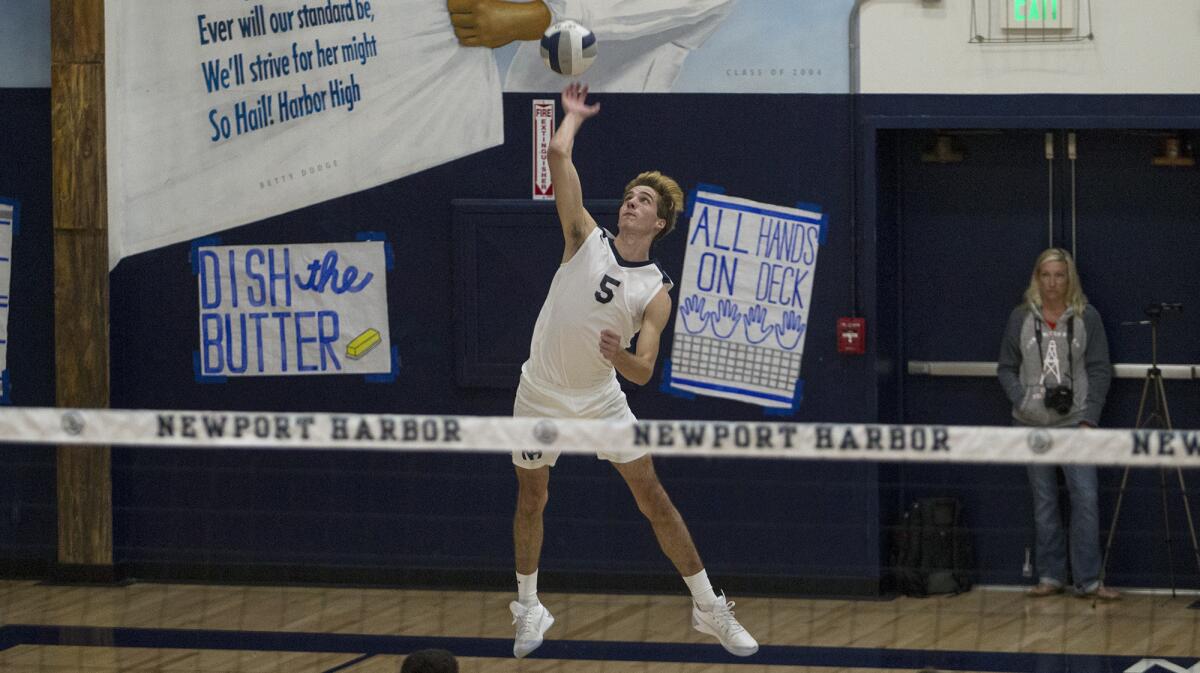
x: 1084, y: 531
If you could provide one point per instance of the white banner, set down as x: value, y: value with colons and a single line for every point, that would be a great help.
x: 805, y: 441
x: 8, y: 228
x: 743, y: 302
x: 224, y: 112
x: 272, y: 310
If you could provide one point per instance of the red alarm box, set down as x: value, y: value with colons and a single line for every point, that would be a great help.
x: 852, y: 336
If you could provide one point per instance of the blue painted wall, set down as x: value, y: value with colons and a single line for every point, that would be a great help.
x: 455, y: 512
x: 27, y: 478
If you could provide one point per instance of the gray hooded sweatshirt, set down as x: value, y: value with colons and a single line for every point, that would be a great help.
x: 1026, y: 371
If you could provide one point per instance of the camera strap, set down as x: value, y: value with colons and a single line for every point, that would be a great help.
x: 1037, y: 330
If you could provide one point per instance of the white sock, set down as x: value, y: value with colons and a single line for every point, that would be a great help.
x: 701, y: 588
x: 527, y: 589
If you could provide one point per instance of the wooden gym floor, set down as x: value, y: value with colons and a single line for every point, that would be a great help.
x: 151, y: 627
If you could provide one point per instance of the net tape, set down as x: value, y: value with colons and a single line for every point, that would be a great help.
x: 503, y: 434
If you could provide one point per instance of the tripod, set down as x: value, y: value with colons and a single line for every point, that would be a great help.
x: 1159, y: 417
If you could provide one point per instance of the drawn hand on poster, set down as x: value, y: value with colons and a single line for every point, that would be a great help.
x: 722, y: 322
x: 693, y: 315
x: 726, y: 319
x: 757, y: 330
x: 789, y: 332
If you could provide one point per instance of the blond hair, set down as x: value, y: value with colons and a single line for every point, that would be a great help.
x: 1075, y: 297
x: 670, y: 197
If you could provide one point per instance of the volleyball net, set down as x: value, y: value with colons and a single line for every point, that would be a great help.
x: 697, y: 438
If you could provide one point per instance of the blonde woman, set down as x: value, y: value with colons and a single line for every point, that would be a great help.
x: 1054, y: 368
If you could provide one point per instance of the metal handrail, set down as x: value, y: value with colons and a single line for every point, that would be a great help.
x: 988, y: 369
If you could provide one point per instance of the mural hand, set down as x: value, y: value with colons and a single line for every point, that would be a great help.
x: 494, y: 23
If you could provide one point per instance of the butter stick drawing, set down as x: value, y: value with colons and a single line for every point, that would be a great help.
x: 363, y: 343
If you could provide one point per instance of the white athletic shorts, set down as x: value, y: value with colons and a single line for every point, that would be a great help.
x: 544, y: 400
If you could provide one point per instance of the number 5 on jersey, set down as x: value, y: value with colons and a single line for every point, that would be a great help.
x: 605, y: 293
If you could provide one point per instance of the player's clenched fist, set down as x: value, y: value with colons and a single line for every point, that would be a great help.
x: 610, y: 343
x: 495, y: 23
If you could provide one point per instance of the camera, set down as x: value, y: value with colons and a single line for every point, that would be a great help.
x: 1060, y: 399
x: 1159, y: 308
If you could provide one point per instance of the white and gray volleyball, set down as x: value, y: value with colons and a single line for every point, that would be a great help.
x: 568, y: 48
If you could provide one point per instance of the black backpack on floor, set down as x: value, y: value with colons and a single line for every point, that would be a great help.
x: 931, y: 549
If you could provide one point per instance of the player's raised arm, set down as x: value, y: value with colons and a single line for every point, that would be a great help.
x: 576, y: 222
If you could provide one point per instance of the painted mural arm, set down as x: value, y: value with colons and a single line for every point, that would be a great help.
x: 495, y: 23
x: 576, y: 222
x: 638, y: 366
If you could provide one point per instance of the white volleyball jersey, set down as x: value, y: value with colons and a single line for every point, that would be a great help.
x: 595, y: 290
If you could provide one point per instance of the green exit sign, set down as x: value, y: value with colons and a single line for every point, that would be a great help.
x: 1035, y: 10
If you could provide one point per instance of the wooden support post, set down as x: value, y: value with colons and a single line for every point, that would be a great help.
x: 85, y: 537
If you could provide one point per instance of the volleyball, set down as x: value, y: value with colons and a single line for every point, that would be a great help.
x: 568, y: 48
